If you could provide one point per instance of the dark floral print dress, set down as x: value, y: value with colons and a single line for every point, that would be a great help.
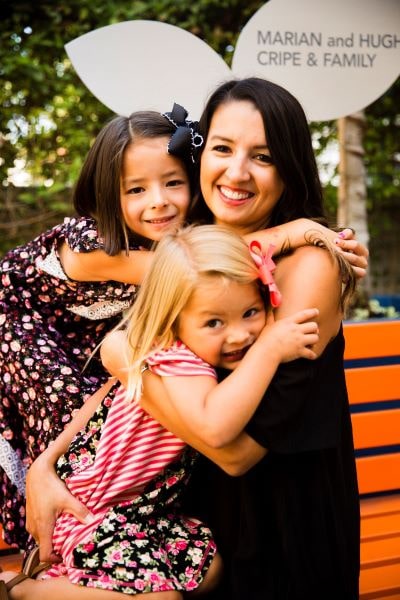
x: 49, y: 325
x: 142, y: 543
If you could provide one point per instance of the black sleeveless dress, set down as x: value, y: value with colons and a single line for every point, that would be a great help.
x: 289, y: 528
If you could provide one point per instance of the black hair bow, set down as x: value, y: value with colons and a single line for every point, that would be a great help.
x: 186, y: 139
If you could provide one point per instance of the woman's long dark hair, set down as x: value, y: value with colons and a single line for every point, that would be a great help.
x: 289, y: 141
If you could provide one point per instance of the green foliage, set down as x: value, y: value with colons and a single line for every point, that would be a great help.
x: 373, y: 310
x: 48, y: 117
x: 382, y: 146
x: 382, y: 160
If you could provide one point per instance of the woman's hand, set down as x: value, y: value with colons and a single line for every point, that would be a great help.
x: 354, y: 251
x: 303, y: 232
x: 46, y: 498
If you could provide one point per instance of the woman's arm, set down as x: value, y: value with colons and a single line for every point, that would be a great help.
x: 235, y: 458
x: 302, y: 232
x: 42, y: 509
x: 308, y: 277
x: 220, y: 411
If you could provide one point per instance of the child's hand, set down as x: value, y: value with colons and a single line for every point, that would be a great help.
x: 292, y: 337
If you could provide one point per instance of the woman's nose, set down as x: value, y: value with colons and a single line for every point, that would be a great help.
x: 237, y: 169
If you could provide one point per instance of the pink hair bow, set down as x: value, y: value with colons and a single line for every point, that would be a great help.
x: 266, y: 267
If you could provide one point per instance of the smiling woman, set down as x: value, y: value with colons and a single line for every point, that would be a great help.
x: 237, y: 171
x: 288, y: 526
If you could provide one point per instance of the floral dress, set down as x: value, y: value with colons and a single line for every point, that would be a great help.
x: 49, y: 325
x: 130, y: 472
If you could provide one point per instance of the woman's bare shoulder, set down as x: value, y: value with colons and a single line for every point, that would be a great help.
x: 309, y: 278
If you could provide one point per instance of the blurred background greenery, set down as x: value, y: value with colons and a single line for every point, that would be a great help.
x: 49, y: 118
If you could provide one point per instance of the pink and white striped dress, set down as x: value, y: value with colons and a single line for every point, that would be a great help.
x: 133, y: 449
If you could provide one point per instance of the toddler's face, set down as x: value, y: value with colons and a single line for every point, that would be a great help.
x: 222, y: 320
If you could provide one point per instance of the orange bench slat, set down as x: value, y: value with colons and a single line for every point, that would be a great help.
x: 381, y: 505
x: 381, y: 526
x: 380, y: 582
x: 380, y: 516
x: 378, y: 473
x: 375, y: 338
x: 373, y: 384
x: 380, y: 552
x: 379, y: 428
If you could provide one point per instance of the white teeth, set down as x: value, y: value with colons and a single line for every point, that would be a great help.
x: 158, y: 221
x: 233, y: 195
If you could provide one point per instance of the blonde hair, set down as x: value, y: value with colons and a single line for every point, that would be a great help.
x: 182, y: 261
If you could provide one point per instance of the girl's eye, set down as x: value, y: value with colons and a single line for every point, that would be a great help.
x: 135, y: 190
x: 214, y: 323
x: 251, y: 312
x: 175, y: 182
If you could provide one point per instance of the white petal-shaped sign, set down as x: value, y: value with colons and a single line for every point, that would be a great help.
x: 335, y: 56
x: 143, y: 65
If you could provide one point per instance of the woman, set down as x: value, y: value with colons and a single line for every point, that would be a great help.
x: 288, y: 527
x: 62, y: 292
x: 293, y: 529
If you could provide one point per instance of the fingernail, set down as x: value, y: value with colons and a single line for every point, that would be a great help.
x: 341, y: 234
x: 89, y: 519
x: 336, y: 241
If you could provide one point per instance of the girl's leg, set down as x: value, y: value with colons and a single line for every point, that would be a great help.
x: 62, y: 589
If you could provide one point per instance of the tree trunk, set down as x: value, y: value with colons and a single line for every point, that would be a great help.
x: 352, y: 195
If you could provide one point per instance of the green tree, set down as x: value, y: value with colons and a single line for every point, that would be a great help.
x: 48, y: 117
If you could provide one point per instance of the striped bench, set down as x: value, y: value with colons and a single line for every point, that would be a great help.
x: 372, y: 366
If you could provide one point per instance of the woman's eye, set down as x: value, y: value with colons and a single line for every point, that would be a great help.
x: 265, y: 158
x: 214, y: 323
x: 221, y: 148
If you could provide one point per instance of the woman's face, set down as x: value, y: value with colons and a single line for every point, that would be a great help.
x: 238, y: 180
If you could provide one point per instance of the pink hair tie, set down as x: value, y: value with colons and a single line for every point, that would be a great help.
x: 266, y: 267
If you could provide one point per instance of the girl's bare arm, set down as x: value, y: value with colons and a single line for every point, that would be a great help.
x: 99, y: 266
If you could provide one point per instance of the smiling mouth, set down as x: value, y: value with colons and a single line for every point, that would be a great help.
x: 234, y: 195
x: 235, y: 355
x: 160, y: 221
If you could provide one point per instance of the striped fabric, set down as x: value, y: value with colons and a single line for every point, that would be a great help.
x: 133, y: 449
x: 179, y: 360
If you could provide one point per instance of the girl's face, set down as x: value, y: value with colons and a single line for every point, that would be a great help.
x: 238, y: 180
x: 155, y: 191
x: 222, y: 320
